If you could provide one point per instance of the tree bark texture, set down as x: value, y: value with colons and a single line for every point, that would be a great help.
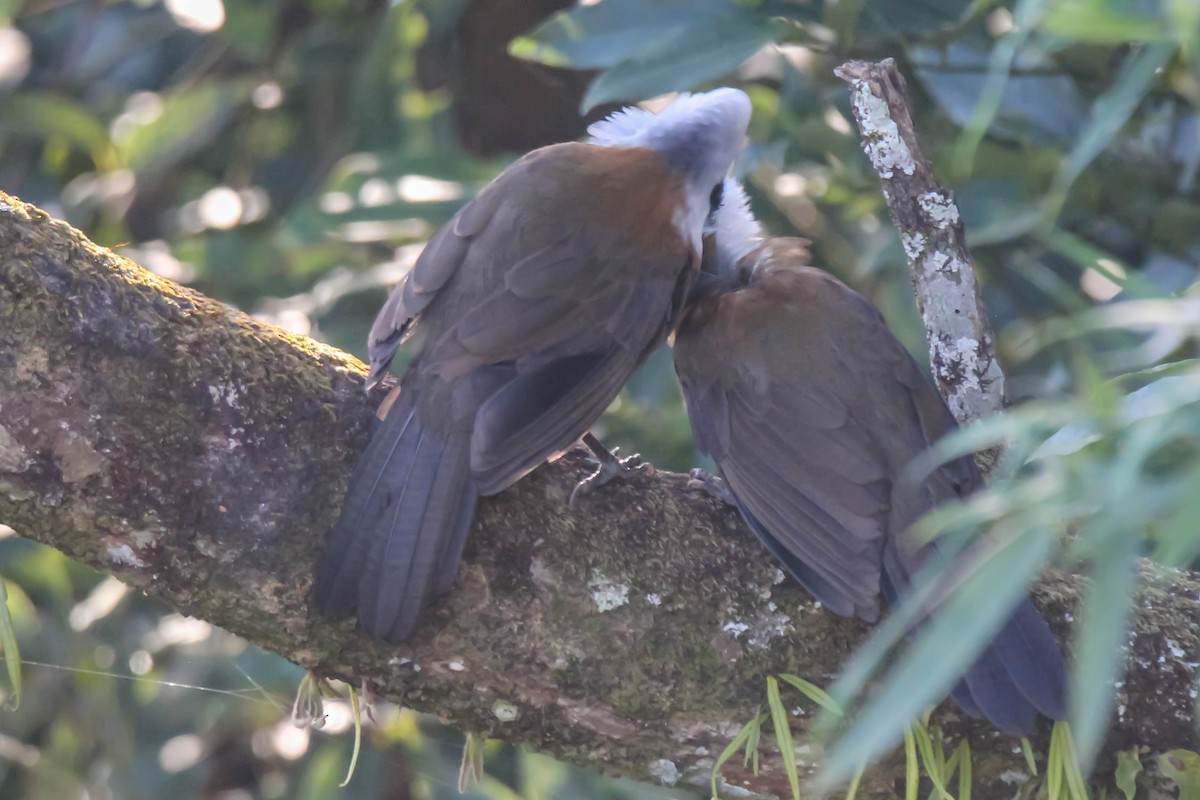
x: 200, y: 455
x: 962, y: 349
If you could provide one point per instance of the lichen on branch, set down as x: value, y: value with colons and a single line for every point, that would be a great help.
x: 201, y: 456
x: 961, y: 344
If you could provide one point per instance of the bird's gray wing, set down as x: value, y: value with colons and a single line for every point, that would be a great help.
x: 791, y: 387
x: 556, y: 299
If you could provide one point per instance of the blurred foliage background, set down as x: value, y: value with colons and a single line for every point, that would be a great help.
x: 291, y: 157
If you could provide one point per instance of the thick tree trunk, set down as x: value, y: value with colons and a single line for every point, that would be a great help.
x: 201, y: 456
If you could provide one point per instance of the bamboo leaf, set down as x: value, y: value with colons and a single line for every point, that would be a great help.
x: 965, y: 770
x: 932, y: 768
x: 742, y: 738
x: 1027, y: 751
x: 912, y: 770
x: 1109, y: 114
x: 1101, y: 632
x: 943, y: 649
x: 357, y: 712
x: 813, y: 692
x: 783, y: 735
x: 9, y: 647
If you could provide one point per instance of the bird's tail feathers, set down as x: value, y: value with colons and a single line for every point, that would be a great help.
x: 403, y: 525
x: 1020, y: 673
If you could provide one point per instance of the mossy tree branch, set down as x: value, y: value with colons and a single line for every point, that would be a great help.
x: 201, y: 456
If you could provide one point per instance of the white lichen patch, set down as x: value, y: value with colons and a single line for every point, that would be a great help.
x: 958, y: 364
x: 144, y: 538
x: 726, y: 789
x: 735, y: 629
x: 665, y: 772
x: 32, y: 364
x: 770, y: 626
x: 778, y: 578
x: 607, y: 594
x: 123, y: 555
x: 225, y: 391
x: 654, y: 599
x: 914, y: 244
x: 938, y: 208
x: 1014, y: 776
x: 759, y: 632
x: 939, y: 261
x: 455, y: 666
x: 504, y: 711
x: 13, y: 457
x: 880, y: 136
x: 75, y: 456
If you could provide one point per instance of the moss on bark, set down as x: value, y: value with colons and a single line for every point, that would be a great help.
x: 200, y: 455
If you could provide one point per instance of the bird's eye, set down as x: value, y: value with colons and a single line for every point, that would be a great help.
x: 714, y: 199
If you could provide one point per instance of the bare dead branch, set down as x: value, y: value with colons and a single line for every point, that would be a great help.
x: 961, y: 345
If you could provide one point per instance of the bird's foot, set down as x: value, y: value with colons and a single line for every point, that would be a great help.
x: 608, y: 468
x: 711, y: 485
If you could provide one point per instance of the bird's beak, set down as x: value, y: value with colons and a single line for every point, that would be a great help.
x: 708, y: 259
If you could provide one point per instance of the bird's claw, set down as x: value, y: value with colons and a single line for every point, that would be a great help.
x: 609, y: 468
x: 712, y: 485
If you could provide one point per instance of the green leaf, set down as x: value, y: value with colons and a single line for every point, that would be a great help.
x: 649, y: 47
x: 470, y: 771
x: 1026, y: 16
x: 308, y: 709
x: 1091, y: 257
x: 1102, y: 629
x: 943, y: 649
x: 1182, y: 767
x: 750, y: 757
x: 744, y: 736
x: 189, y: 120
x: 1129, y: 766
x: 965, y: 770
x: 1157, y: 398
x: 933, y: 766
x: 813, y: 692
x: 912, y: 769
x: 842, y: 18
x: 1109, y: 114
x: 852, y: 790
x: 43, y: 116
x: 605, y: 34
x: 708, y: 52
x: 783, y: 735
x: 1177, y: 542
x: 1054, y: 766
x: 1103, y: 22
x: 1030, y: 761
x: 1073, y: 773
x: 993, y: 431
x: 354, y: 708
x: 8, y: 646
